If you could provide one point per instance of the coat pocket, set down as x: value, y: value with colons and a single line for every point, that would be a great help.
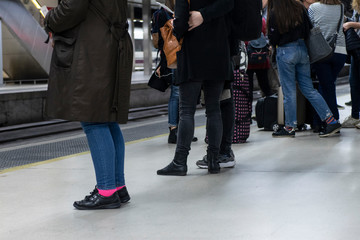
x: 64, y: 51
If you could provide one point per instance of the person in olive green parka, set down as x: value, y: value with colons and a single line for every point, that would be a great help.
x: 90, y: 78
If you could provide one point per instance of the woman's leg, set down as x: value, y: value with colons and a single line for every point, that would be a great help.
x: 174, y: 106
x: 103, y: 155
x: 102, y: 151
x: 119, y: 145
x: 228, y: 120
x: 214, y: 126
x: 263, y: 80
x: 189, y: 94
x: 173, y: 111
x: 355, y: 87
x: 327, y: 73
x: 307, y: 88
x: 286, y: 61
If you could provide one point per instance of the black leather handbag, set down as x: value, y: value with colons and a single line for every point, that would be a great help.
x: 162, y: 82
x: 352, y: 40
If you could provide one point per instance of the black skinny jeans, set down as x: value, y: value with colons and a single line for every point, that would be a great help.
x: 189, y: 95
x: 228, y: 119
x: 263, y: 80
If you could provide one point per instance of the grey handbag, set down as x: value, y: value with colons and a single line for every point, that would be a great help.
x: 320, y: 48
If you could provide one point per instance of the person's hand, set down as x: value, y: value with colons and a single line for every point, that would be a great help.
x: 346, y: 26
x: 195, y: 20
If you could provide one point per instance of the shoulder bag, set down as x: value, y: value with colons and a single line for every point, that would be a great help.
x: 319, y: 48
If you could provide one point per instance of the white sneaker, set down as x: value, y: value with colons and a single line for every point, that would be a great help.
x: 357, y: 126
x: 350, y: 122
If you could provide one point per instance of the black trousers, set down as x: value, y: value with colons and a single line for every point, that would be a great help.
x: 189, y: 94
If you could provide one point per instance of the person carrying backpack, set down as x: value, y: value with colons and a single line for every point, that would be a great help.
x: 160, y: 17
x: 259, y: 63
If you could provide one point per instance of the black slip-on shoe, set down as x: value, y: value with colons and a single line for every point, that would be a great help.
x: 123, y: 195
x: 96, y: 201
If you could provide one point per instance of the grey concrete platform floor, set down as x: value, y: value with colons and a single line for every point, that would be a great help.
x: 304, y: 188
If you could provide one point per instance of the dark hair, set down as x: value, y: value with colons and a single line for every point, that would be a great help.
x: 281, y: 9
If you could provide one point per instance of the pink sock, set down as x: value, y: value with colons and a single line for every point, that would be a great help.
x: 118, y: 188
x: 107, y: 193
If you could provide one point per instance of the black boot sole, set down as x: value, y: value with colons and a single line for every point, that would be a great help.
x: 172, y: 174
x: 213, y: 171
x: 125, y: 199
x: 107, y: 206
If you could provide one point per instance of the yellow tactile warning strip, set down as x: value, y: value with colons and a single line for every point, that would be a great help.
x: 75, y: 155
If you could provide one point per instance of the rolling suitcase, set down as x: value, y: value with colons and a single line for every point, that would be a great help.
x: 243, y: 106
x: 301, y: 109
x: 266, y: 112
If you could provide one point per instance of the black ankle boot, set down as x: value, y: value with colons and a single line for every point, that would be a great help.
x: 177, y: 167
x: 213, y: 164
x: 172, y: 135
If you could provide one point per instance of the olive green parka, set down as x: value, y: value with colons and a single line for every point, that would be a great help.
x: 91, y: 66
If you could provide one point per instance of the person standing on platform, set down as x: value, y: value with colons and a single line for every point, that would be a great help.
x: 90, y: 79
x: 328, y: 15
x: 203, y: 62
x: 160, y: 17
x: 353, y: 120
x: 287, y: 33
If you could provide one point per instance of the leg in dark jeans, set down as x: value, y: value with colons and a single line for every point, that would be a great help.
x: 228, y: 118
x: 214, y: 127
x: 327, y: 73
x: 355, y: 87
x: 226, y: 155
x: 263, y: 80
x: 189, y: 93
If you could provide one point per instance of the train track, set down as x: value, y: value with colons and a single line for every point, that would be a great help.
x: 38, y: 129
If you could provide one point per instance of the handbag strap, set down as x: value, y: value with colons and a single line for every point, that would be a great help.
x: 341, y: 17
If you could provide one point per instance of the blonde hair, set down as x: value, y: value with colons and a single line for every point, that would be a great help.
x: 356, y: 5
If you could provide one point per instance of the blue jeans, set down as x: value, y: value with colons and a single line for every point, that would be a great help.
x: 355, y: 87
x: 189, y: 95
x: 107, y: 147
x: 327, y: 73
x: 293, y: 65
x: 173, y: 106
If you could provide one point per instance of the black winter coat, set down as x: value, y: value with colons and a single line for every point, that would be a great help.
x: 205, y: 53
x: 89, y: 78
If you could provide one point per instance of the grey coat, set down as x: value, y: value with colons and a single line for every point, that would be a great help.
x: 90, y: 73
